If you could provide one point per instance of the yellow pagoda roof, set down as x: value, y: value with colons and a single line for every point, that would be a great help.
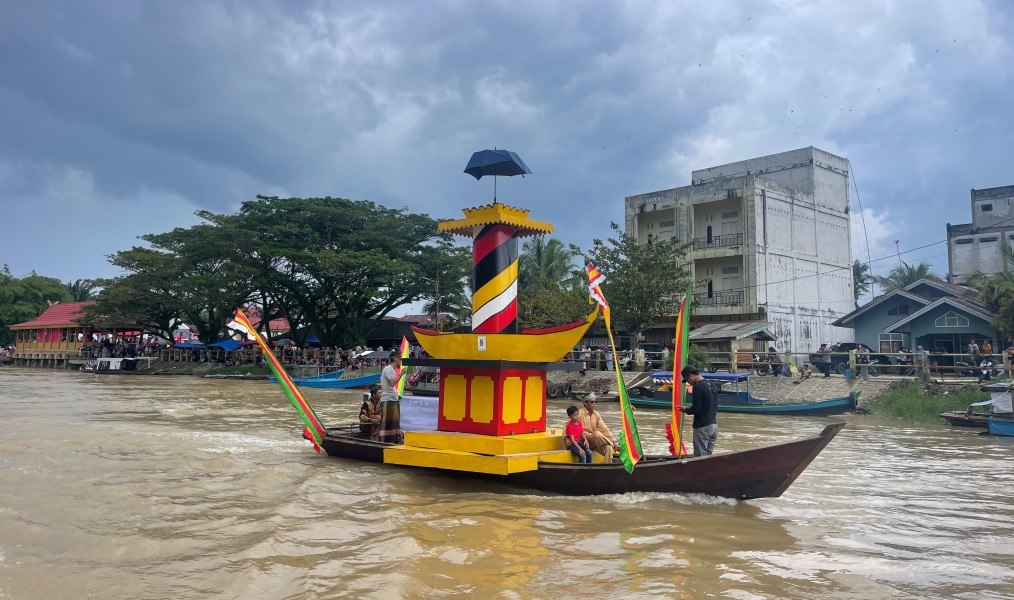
x: 490, y: 214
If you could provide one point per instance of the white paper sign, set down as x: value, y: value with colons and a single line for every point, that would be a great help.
x: 482, y: 343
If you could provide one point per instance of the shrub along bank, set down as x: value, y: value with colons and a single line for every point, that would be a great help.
x: 917, y: 401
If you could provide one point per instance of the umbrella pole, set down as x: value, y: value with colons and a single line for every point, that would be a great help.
x: 494, y: 189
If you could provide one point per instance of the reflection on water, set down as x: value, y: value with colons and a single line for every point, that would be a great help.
x: 155, y: 487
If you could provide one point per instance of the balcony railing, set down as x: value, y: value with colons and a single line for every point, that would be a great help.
x: 719, y: 241
x: 723, y: 298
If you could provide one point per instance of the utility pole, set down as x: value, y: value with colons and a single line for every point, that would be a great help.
x: 897, y: 249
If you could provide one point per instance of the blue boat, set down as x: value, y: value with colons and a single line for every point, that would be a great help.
x: 1001, y: 421
x: 336, y: 380
x: 734, y: 397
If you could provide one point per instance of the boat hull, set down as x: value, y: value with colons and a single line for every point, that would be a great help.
x: 1001, y: 427
x: 758, y: 473
x: 961, y: 419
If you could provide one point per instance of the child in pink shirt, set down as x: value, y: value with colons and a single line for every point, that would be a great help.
x: 575, y: 438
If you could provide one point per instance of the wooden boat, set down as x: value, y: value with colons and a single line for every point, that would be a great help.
x: 965, y: 419
x: 764, y: 472
x: 531, y: 345
x: 141, y: 365
x: 338, y: 380
x: 999, y: 404
x: 739, y: 400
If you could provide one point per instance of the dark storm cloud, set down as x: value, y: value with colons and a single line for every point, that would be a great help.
x: 169, y: 107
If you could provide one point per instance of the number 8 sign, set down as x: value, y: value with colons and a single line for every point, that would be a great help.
x: 481, y: 340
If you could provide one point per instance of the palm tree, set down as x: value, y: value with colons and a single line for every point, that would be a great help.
x: 548, y: 263
x: 82, y: 289
x: 904, y: 275
x: 996, y: 292
x: 861, y: 279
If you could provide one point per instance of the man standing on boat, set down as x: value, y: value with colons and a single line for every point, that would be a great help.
x: 390, y: 403
x: 704, y: 408
x: 599, y: 437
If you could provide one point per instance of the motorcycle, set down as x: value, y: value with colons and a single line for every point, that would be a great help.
x: 760, y: 365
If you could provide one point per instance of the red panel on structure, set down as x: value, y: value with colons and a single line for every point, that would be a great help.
x: 500, y: 321
x: 496, y: 426
x: 492, y: 239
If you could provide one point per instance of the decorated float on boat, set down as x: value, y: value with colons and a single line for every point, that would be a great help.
x: 492, y: 401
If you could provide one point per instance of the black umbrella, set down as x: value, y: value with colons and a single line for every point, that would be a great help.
x: 495, y: 163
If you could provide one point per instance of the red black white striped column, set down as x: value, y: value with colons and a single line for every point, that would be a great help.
x: 495, y: 279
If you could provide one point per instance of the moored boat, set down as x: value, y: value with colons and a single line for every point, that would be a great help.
x: 999, y: 404
x: 734, y: 397
x: 764, y: 472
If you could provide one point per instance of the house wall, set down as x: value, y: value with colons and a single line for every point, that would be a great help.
x: 869, y: 325
x: 926, y: 326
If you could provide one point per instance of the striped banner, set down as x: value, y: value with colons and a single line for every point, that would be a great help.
x: 314, y: 431
x: 495, y: 279
x: 674, y: 432
x: 629, y: 442
x: 404, y: 354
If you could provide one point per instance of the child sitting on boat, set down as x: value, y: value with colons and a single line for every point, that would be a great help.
x: 575, y: 438
x: 804, y: 373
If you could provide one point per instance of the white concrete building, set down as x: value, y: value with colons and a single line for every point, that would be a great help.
x: 771, y: 245
x: 976, y: 246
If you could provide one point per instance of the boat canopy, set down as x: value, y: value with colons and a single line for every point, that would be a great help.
x: 1001, y: 402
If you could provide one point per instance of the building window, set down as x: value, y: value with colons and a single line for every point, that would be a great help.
x: 729, y: 270
x: 891, y: 342
x: 964, y: 241
x: 951, y: 319
x: 899, y: 310
x: 731, y: 214
x: 667, y: 224
x: 986, y: 207
x: 988, y: 239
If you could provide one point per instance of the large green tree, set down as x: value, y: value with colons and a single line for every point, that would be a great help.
x: 340, y: 265
x: 996, y: 291
x: 643, y: 281
x: 904, y: 275
x: 23, y: 299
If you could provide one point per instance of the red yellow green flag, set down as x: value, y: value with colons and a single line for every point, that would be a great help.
x: 629, y: 442
x: 404, y: 354
x: 314, y: 431
x: 674, y: 432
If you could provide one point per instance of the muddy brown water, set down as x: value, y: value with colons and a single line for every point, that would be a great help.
x: 179, y: 487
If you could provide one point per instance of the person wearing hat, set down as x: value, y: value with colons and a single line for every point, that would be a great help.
x: 599, y: 437
x: 369, y: 413
x: 704, y: 407
x: 390, y: 405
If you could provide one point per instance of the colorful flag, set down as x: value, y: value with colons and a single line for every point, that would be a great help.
x: 674, y: 432
x: 404, y: 354
x: 630, y: 443
x: 314, y: 431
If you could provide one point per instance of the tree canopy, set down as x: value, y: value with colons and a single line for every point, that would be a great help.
x: 861, y: 279
x: 643, y: 281
x: 332, y: 265
x: 552, y: 286
x: 996, y: 291
x: 23, y: 299
x: 904, y: 275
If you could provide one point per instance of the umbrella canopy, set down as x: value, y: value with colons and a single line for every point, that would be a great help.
x: 497, y: 163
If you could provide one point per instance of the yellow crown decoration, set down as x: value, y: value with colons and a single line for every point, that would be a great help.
x: 490, y: 214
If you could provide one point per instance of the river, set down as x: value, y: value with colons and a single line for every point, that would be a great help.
x: 187, y: 488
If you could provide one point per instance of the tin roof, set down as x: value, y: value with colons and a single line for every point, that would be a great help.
x: 61, y: 314
x: 733, y: 331
x: 491, y: 214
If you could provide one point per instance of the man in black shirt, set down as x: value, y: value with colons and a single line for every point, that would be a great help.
x: 704, y: 407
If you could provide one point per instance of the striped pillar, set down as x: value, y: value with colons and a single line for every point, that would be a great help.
x: 495, y: 279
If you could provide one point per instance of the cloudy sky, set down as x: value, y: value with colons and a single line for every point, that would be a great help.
x: 122, y: 118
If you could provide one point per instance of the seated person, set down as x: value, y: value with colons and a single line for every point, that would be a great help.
x: 804, y: 373
x: 369, y: 414
x: 600, y: 439
x: 575, y: 438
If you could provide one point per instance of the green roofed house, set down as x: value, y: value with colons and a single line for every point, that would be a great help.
x: 926, y: 313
